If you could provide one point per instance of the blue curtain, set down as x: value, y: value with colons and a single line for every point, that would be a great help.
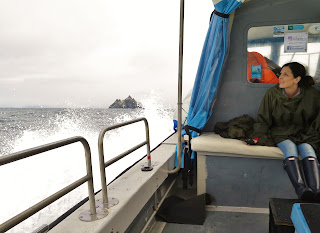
x: 214, y: 52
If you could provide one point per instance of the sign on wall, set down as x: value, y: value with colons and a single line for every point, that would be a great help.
x: 295, y: 42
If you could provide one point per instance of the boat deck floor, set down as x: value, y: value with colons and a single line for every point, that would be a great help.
x: 224, y: 222
x: 218, y: 219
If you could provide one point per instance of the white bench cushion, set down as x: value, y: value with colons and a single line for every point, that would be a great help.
x: 213, y: 143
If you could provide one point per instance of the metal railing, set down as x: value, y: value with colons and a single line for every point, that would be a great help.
x: 94, y: 213
x: 112, y: 201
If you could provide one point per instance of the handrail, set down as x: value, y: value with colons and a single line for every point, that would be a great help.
x: 44, y: 203
x: 104, y: 164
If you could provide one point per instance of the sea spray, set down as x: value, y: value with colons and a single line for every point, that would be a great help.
x: 33, y: 179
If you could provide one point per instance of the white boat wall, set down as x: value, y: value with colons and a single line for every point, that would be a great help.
x: 240, y: 178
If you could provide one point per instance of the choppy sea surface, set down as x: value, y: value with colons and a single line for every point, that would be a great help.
x: 28, y: 181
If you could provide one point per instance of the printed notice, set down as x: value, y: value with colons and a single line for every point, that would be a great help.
x: 278, y: 31
x: 295, y: 27
x: 295, y: 42
x: 256, y: 71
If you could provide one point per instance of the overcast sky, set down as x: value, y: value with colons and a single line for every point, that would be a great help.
x: 81, y: 53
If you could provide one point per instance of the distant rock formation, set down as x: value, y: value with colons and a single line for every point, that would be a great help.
x: 129, y: 102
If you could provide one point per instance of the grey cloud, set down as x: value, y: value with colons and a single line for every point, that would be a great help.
x: 57, y: 52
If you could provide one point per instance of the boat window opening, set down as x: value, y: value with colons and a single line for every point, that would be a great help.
x: 270, y: 47
x: 263, y: 50
x: 309, y: 58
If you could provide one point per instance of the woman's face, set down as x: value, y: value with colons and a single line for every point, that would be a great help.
x: 286, y: 79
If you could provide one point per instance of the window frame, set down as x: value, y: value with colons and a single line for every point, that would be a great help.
x: 245, y: 47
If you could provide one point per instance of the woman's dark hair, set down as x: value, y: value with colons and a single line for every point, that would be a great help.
x: 299, y: 70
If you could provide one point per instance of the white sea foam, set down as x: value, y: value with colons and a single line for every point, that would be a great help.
x: 26, y: 182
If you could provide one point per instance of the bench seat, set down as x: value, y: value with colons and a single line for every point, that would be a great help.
x: 210, y: 143
x: 237, y: 174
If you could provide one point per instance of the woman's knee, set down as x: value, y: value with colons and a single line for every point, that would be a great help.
x: 288, y: 148
x: 306, y: 150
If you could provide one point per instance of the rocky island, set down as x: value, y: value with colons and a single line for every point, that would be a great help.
x: 129, y: 102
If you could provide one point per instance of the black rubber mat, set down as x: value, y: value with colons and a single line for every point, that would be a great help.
x: 224, y: 222
x: 177, y: 210
x: 311, y: 213
x: 281, y: 210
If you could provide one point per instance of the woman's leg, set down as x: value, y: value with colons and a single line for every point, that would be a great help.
x: 306, y: 151
x: 291, y: 166
x: 288, y: 148
x: 310, y: 168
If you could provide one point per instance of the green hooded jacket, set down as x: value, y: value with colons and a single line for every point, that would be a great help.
x: 297, y: 118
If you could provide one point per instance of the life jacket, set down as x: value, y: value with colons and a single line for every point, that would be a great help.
x: 258, y: 70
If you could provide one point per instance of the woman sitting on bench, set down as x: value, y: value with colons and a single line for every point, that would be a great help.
x: 289, y: 113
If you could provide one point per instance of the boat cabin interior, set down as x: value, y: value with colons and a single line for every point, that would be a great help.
x: 236, y: 174
x: 239, y: 179
x: 242, y: 179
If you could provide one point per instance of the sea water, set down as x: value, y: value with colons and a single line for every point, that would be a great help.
x: 28, y: 181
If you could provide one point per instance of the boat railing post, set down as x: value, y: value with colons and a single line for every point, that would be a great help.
x: 102, y: 170
x: 86, y: 146
x: 149, y: 165
x: 106, y: 201
x: 179, y: 150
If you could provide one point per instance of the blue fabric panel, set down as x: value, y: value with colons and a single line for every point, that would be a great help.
x: 227, y: 6
x: 214, y: 52
x: 298, y: 220
x: 212, y: 58
x: 208, y: 73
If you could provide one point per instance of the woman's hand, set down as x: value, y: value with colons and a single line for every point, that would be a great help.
x: 251, y: 141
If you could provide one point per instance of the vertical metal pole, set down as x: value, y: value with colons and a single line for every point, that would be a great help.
x: 179, y: 151
x: 90, y: 180
x: 148, y: 142
x: 102, y: 168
